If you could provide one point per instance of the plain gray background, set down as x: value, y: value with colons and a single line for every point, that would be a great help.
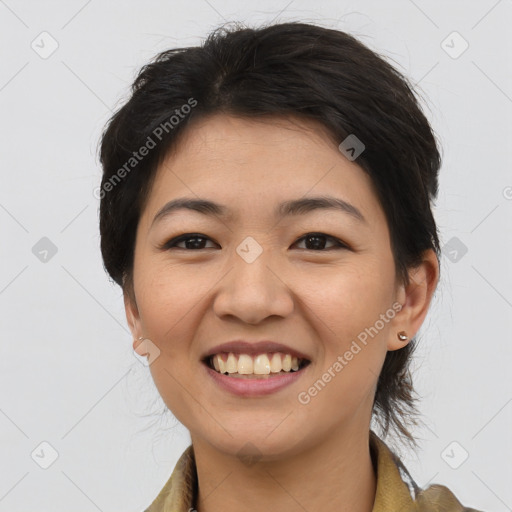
x: 69, y: 378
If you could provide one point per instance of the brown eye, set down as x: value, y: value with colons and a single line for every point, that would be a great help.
x: 192, y: 241
x: 317, y: 242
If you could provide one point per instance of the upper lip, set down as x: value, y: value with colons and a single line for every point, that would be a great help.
x: 258, y: 347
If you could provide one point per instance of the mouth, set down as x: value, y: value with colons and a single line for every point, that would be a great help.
x: 264, y: 365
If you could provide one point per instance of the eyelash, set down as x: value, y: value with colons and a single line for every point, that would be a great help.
x: 187, y: 236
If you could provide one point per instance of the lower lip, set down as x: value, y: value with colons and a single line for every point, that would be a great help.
x: 255, y: 386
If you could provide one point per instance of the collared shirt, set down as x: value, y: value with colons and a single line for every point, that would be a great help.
x: 396, y: 490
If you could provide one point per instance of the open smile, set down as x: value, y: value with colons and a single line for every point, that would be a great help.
x: 262, y: 374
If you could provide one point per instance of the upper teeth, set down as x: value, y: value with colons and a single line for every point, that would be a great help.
x: 261, y: 364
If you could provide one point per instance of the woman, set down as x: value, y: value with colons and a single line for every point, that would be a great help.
x: 266, y: 209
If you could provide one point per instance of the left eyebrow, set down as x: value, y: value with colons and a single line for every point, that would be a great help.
x: 308, y: 204
x: 294, y: 207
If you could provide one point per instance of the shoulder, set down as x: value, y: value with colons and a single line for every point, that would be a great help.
x: 397, y: 490
x: 440, y: 499
x: 180, y: 491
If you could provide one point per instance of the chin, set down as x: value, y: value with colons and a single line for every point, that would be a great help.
x: 258, y: 442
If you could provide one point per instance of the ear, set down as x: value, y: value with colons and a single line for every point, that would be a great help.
x: 415, y: 299
x: 133, y: 319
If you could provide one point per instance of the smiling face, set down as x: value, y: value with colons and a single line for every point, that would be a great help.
x: 253, y: 274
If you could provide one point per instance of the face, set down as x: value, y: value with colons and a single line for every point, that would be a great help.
x: 316, y: 279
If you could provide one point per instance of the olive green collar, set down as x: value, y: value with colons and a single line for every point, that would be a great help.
x: 396, y: 490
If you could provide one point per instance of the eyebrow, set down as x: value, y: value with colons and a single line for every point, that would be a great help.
x: 290, y: 208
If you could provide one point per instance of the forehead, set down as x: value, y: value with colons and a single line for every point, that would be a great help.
x: 245, y: 162
x: 212, y: 132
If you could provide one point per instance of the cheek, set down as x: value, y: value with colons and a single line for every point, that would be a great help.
x: 348, y: 314
x: 352, y: 311
x: 168, y: 301
x: 348, y: 300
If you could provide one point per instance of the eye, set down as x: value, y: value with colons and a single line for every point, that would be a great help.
x: 193, y: 241
x: 196, y: 241
x: 317, y: 241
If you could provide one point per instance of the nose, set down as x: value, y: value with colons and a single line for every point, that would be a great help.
x: 253, y: 291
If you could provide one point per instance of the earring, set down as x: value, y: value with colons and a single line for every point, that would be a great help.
x: 402, y: 336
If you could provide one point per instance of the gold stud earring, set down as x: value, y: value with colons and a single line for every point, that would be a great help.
x: 402, y: 336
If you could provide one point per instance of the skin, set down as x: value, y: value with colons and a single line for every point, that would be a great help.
x: 314, y: 456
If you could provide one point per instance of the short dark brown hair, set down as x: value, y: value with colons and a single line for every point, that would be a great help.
x: 286, y: 69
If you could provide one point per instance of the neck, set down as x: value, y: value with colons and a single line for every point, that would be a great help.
x: 336, y: 475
